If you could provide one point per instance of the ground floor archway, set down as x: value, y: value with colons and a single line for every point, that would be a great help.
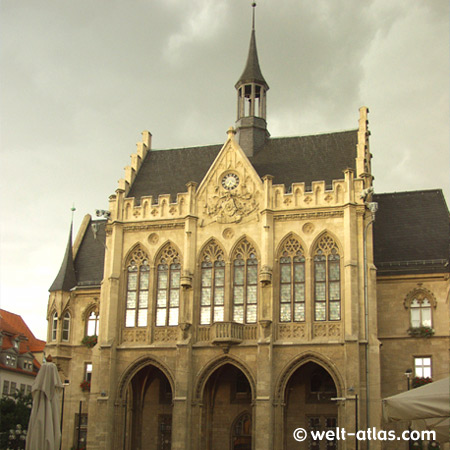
x: 227, y: 417
x: 149, y: 411
x: 308, y: 405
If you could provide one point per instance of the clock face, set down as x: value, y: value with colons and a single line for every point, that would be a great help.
x: 230, y: 181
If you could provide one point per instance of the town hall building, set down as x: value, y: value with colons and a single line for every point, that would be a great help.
x: 233, y: 293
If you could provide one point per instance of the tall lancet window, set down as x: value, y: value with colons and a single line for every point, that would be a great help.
x: 213, y: 285
x: 245, y: 283
x: 292, y: 282
x: 327, y: 280
x: 138, y: 275
x: 168, y: 288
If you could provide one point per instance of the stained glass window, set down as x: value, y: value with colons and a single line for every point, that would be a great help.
x: 212, y: 285
x: 327, y: 280
x: 168, y: 287
x: 292, y: 282
x: 138, y: 280
x: 245, y: 284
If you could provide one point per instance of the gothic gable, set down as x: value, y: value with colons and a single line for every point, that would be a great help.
x: 231, y: 191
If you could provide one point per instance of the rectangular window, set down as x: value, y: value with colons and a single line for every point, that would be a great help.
x: 422, y: 367
x: 5, y: 387
x: 88, y: 372
x: 13, y: 388
x: 22, y: 388
x: 28, y: 389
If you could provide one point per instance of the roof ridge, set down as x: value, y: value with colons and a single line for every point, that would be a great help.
x: 417, y: 191
x: 315, y: 134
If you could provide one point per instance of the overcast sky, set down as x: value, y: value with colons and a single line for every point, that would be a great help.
x: 80, y: 80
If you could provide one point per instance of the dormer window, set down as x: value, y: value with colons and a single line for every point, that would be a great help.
x: 16, y: 344
x: 11, y: 360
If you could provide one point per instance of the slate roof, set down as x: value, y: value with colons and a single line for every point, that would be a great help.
x: 412, y: 233
x: 288, y: 159
x: 252, y: 72
x: 66, y: 279
x: 90, y: 258
x: 87, y: 268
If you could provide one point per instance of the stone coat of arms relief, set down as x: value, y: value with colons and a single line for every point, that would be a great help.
x: 231, y: 193
x: 230, y: 206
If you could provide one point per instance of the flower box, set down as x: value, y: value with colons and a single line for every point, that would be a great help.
x: 421, y: 331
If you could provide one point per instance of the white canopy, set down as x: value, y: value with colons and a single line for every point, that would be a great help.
x: 427, y: 407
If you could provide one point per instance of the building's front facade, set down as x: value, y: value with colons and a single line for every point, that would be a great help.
x: 235, y: 295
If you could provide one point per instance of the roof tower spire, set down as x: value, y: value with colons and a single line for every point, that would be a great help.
x: 251, y: 88
x: 66, y: 278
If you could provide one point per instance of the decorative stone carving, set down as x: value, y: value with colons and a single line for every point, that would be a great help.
x: 186, y: 279
x: 291, y: 331
x: 153, y: 238
x: 308, y: 228
x: 228, y: 233
x: 265, y: 276
x: 166, y: 334
x: 230, y: 206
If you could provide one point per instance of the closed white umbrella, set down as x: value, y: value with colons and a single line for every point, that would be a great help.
x: 44, y: 431
x: 427, y: 407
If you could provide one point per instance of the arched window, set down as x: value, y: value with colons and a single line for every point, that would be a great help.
x: 241, y: 438
x: 245, y: 284
x: 292, y: 282
x: 420, y: 301
x: 138, y: 273
x: 66, y: 327
x: 168, y: 296
x: 54, y: 325
x: 213, y: 285
x: 327, y: 280
x: 92, y: 323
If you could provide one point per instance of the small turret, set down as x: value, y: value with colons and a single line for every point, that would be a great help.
x: 251, y: 88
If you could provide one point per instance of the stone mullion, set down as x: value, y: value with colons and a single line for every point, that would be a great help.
x: 309, y: 295
x: 228, y: 310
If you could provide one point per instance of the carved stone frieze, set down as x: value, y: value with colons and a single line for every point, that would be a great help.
x: 291, y: 331
x: 159, y: 226
x: 309, y: 215
x: 166, y: 334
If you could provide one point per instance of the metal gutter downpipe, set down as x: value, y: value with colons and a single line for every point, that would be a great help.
x: 373, y: 207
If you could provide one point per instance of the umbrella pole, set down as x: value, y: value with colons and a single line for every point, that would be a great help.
x: 62, y: 415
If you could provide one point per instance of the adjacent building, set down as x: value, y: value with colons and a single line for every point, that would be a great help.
x: 235, y: 292
x: 21, y: 354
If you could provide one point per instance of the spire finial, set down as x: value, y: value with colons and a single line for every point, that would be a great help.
x: 73, y: 209
x: 253, y: 15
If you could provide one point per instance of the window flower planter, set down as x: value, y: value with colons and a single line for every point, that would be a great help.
x: 421, y: 331
x: 85, y: 386
x: 89, y: 341
x: 419, y: 381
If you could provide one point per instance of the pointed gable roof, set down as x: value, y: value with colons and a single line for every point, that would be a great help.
x: 66, y: 278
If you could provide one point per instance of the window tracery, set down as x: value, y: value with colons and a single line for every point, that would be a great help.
x: 292, y: 282
x: 327, y: 280
x: 138, y: 276
x: 212, y: 294
x: 168, y: 287
x: 245, y: 283
x: 420, y: 302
